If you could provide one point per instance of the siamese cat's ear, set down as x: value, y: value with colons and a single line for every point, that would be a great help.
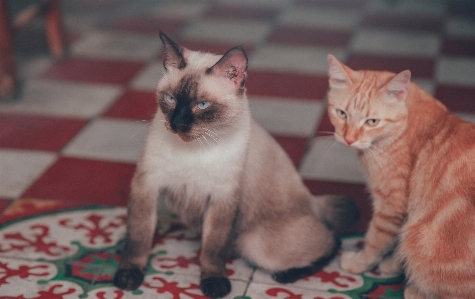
x: 232, y: 66
x: 175, y: 55
x: 338, y: 73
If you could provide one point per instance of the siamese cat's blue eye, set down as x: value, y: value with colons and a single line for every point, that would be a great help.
x: 170, y: 99
x: 203, y: 105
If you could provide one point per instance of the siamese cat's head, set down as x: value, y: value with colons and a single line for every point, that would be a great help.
x: 202, y: 95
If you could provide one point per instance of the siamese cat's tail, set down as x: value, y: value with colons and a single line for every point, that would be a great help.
x: 336, y: 212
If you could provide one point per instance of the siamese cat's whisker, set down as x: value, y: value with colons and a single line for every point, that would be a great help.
x: 199, y: 141
x: 213, y: 137
x: 138, y: 130
x: 212, y: 133
x: 206, y: 139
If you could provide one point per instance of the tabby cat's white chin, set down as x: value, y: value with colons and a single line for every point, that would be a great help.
x: 357, y: 144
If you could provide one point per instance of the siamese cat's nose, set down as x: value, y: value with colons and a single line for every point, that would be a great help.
x: 181, y: 120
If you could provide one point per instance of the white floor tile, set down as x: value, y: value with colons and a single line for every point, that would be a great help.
x: 60, y: 98
x: 234, y: 32
x: 320, y: 17
x: 287, y: 117
x: 331, y: 161
x: 110, y: 139
x: 117, y: 45
x: 457, y: 71
x: 460, y: 27
x: 19, y: 168
x: 148, y: 78
x: 179, y: 9
x: 389, y: 42
x: 311, y: 60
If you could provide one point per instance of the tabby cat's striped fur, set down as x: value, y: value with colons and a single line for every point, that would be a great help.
x: 420, y: 162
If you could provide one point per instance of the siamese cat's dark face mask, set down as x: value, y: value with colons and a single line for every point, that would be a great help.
x: 191, y: 111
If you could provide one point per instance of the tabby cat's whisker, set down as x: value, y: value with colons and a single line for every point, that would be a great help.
x: 326, y: 133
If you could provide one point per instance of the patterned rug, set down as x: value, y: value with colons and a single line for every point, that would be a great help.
x: 74, y: 253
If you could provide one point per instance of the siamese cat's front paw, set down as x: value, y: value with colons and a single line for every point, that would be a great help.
x: 354, y: 262
x: 128, y: 279
x: 215, y: 287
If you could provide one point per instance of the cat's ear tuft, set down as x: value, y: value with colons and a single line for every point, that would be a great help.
x: 337, y: 73
x: 398, y: 86
x: 232, y: 66
x: 175, y: 55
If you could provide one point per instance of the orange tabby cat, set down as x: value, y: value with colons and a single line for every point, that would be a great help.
x: 420, y: 162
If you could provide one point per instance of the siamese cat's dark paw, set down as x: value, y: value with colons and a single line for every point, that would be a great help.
x: 215, y: 287
x: 128, y: 279
x: 294, y: 274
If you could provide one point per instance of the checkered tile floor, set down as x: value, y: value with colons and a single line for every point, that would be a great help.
x: 72, y: 138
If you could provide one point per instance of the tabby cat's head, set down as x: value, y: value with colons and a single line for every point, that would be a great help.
x: 201, y: 95
x: 367, y: 108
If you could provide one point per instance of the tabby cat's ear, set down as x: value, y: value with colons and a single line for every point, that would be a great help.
x: 397, y: 87
x: 232, y: 66
x: 337, y: 72
x: 175, y: 55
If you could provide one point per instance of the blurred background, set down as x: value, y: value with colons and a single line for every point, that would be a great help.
x: 78, y: 77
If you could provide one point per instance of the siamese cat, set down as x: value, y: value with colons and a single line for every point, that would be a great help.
x: 227, y: 179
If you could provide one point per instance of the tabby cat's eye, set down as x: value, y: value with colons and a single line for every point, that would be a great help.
x: 170, y: 99
x: 372, y: 122
x: 341, y: 113
x: 203, y: 105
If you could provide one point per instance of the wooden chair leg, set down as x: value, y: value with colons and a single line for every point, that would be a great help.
x: 54, y: 29
x: 8, y: 81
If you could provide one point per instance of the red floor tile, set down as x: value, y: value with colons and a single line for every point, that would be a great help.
x: 457, y: 98
x: 419, y: 67
x: 211, y: 47
x: 300, y: 86
x: 325, y: 127
x: 356, y: 192
x: 310, y: 37
x: 230, y: 12
x: 403, y: 21
x: 295, y: 147
x: 23, y: 208
x: 4, y: 204
x: 37, y: 132
x: 452, y: 46
x: 85, y: 181
x: 151, y: 25
x: 134, y: 104
x: 94, y: 70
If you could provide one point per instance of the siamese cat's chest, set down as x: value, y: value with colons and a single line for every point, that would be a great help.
x: 198, y: 169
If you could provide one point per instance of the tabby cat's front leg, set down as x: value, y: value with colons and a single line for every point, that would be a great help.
x: 141, y: 224
x: 380, y: 239
x: 217, y: 227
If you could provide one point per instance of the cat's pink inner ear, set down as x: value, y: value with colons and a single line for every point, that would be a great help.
x: 233, y: 66
x: 398, y: 85
x: 338, y: 77
x: 175, y: 55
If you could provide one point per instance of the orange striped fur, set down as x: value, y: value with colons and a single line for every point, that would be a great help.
x: 420, y: 163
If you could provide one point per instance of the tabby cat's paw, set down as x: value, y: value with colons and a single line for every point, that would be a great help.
x: 215, y: 287
x: 128, y: 279
x: 353, y: 262
x: 391, y: 266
